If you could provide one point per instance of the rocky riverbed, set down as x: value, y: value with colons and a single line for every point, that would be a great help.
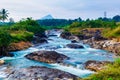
x: 95, y: 40
x: 54, y: 58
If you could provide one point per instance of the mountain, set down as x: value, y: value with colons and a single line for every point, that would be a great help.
x: 47, y: 17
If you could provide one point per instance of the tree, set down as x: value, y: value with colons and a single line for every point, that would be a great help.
x: 116, y: 18
x: 3, y: 14
x: 5, y: 40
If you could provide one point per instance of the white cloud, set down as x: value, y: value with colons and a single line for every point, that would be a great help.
x: 60, y: 8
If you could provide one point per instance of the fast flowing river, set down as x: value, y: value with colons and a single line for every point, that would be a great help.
x: 74, y: 65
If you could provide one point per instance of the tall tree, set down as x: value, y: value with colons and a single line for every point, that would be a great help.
x: 3, y: 14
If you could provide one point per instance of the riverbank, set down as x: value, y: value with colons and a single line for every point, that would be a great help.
x: 95, y: 40
x: 108, y: 45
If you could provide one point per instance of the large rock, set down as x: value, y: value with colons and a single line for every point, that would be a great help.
x: 108, y: 45
x: 39, y: 38
x: 2, y: 62
x: 96, y: 65
x: 66, y: 35
x: 40, y: 73
x: 75, y: 46
x: 47, y: 57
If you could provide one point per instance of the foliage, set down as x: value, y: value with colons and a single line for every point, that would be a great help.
x: 116, y: 18
x: 112, y: 33
x: 111, y: 73
x: 27, y: 25
x: 23, y: 30
x: 3, y: 14
x: 5, y: 38
x: 55, y: 23
x: 21, y: 36
x: 76, y: 27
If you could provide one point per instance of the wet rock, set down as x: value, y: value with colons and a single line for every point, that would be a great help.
x: 38, y: 40
x: 2, y: 62
x: 40, y: 73
x: 75, y: 46
x: 74, y: 41
x: 65, y: 35
x: 47, y: 57
x: 96, y: 65
x: 41, y: 35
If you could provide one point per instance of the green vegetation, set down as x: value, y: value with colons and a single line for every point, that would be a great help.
x: 56, y: 23
x: 5, y: 40
x: 18, y: 36
x: 3, y: 14
x: 112, y: 33
x: 76, y: 27
x: 112, y: 72
x: 20, y: 31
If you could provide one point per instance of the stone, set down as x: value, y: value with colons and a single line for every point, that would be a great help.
x: 75, y: 46
x: 47, y: 57
x: 96, y: 65
x: 65, y: 35
x: 41, y: 73
x: 2, y: 62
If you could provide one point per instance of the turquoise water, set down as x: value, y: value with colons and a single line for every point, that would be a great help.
x: 74, y: 65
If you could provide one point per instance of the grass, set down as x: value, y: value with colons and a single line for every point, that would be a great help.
x: 112, y: 33
x: 112, y: 72
x: 18, y: 36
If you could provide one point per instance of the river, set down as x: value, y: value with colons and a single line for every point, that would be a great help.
x: 75, y: 65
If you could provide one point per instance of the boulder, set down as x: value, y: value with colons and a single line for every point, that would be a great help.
x: 65, y: 35
x: 37, y: 40
x: 47, y: 57
x: 75, y: 46
x: 96, y: 65
x: 74, y: 41
x: 40, y: 38
x: 2, y: 62
x: 41, y: 35
x: 40, y: 73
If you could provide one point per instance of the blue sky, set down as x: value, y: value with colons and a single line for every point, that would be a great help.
x: 68, y: 9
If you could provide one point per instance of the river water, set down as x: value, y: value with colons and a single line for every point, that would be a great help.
x: 75, y: 65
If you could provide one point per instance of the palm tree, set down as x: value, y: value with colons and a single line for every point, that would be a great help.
x: 3, y: 14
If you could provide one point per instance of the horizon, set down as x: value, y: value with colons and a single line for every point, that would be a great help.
x: 61, y: 9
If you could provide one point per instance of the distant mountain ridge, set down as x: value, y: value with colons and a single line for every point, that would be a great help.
x: 47, y: 17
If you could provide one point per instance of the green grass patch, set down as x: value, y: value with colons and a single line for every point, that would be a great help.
x: 21, y: 36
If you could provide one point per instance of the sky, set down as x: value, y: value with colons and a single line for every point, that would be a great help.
x: 61, y: 9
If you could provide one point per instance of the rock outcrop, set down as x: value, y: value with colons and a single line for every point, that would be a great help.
x: 40, y: 73
x: 47, y: 57
x: 65, y: 35
x: 39, y: 38
x: 75, y: 46
x: 19, y: 46
x: 96, y: 65
x: 108, y: 45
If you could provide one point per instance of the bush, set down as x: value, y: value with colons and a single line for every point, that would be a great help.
x: 27, y: 25
x: 5, y: 40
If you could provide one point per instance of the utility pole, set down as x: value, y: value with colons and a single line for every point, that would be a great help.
x: 105, y: 14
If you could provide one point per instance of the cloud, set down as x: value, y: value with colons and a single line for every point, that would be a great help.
x: 60, y: 8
